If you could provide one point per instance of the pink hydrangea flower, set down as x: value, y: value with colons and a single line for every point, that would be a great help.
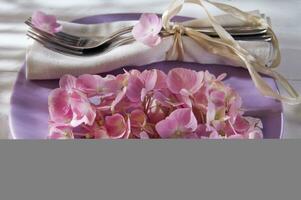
x: 149, y: 104
x: 184, y: 81
x: 83, y: 111
x: 97, y: 85
x: 147, y: 29
x: 70, y: 106
x: 180, y: 123
x: 140, y: 84
x: 44, y: 22
x: 60, y: 132
x: 59, y: 106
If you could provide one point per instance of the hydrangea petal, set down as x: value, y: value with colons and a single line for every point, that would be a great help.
x: 211, y: 112
x: 44, y: 22
x: 138, y: 118
x: 134, y: 88
x: 149, y: 78
x: 255, y: 134
x: 241, y: 125
x: 59, y: 106
x: 60, y: 132
x: 83, y: 112
x: 180, y: 121
x: 87, y: 83
x: 118, y: 99
x: 217, y: 97
x: 95, y: 84
x: 147, y: 29
x: 181, y: 78
x: 116, y: 126
x: 67, y: 82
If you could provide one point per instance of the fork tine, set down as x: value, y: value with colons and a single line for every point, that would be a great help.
x: 111, y: 46
x: 115, y: 34
x: 119, y: 43
x: 54, y: 47
x: 52, y: 38
x: 77, y: 38
x: 44, y: 40
x: 122, y: 41
x: 64, y: 35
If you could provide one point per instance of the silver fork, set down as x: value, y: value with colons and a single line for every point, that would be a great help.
x: 62, y: 48
x: 78, y: 42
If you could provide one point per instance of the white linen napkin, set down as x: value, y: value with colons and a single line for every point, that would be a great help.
x: 42, y: 63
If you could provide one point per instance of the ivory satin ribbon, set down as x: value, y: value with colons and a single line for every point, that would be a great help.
x: 226, y: 46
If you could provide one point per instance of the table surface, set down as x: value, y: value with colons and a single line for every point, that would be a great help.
x: 285, y: 17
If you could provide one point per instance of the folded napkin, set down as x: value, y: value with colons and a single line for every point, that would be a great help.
x: 42, y: 63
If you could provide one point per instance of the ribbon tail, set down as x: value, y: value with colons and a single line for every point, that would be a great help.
x: 283, y: 81
x: 266, y: 90
x: 276, y: 49
x: 289, y: 88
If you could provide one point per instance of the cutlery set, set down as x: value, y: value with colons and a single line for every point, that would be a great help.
x: 83, y: 46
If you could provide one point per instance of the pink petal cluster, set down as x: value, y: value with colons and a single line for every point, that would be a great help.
x: 149, y: 104
x: 44, y: 22
x: 147, y: 29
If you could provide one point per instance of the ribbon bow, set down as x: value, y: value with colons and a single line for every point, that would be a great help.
x: 226, y: 46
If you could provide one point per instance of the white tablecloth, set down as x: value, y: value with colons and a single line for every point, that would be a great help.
x: 285, y: 16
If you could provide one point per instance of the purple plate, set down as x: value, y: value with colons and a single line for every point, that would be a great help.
x: 29, y: 101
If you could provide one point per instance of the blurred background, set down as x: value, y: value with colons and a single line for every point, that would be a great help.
x: 13, y: 41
